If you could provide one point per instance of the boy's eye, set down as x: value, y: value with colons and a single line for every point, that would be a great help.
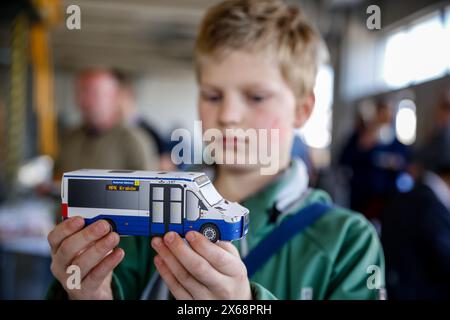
x: 256, y: 98
x: 211, y: 97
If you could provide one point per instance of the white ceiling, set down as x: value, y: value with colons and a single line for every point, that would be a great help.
x: 138, y: 35
x: 133, y: 34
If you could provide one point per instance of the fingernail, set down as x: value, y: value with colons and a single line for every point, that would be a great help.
x: 109, y: 239
x: 169, y: 237
x: 156, y: 242
x: 101, y: 228
x: 77, y: 222
x: 190, y: 236
x: 112, y: 238
x: 120, y: 253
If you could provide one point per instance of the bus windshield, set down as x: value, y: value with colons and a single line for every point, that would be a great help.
x: 210, y: 194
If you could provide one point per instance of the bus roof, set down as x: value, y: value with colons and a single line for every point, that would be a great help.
x: 133, y: 174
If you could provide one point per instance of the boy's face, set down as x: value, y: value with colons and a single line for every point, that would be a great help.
x: 247, y: 91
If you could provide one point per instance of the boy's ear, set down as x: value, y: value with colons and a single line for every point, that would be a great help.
x: 304, y: 109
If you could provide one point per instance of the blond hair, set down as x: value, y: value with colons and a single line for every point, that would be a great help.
x: 258, y: 25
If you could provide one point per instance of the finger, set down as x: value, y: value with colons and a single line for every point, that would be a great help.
x: 221, y: 259
x: 92, y: 256
x: 178, y: 291
x: 194, y: 263
x: 84, y: 249
x: 183, y: 276
x: 98, y: 274
x: 64, y: 230
x: 228, y: 246
x: 72, y: 245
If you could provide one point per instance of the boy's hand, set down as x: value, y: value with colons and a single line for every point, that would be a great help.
x: 203, y: 270
x: 92, y: 250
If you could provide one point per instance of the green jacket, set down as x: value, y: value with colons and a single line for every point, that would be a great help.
x: 331, y: 259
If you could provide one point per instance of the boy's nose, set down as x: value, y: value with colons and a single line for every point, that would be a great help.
x: 231, y: 111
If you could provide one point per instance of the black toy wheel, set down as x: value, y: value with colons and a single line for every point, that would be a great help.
x: 112, y: 225
x: 211, y: 232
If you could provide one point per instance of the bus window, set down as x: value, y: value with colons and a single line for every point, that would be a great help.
x: 175, y: 204
x: 167, y: 203
x: 157, y: 212
x: 85, y: 193
x: 192, y: 206
x: 210, y: 194
x: 175, y: 194
x: 158, y: 194
x: 175, y: 212
x: 122, y: 200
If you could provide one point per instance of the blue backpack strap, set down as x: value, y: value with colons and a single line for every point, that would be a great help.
x: 287, y: 229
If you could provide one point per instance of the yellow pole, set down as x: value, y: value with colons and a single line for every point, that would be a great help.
x: 43, y: 97
x: 17, y: 96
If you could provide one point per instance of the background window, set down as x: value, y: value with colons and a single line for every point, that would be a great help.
x: 417, y: 53
x: 447, y: 36
x: 406, y: 122
x: 317, y: 130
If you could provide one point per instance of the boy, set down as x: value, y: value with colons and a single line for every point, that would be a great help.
x: 256, y: 65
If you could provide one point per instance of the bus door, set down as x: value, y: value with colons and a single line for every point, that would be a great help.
x: 166, y: 208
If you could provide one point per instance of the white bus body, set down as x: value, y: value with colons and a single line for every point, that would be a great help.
x: 150, y: 203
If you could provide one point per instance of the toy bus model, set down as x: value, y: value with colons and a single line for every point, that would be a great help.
x: 150, y: 203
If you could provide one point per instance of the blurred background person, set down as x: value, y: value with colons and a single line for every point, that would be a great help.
x: 102, y: 140
x: 131, y: 116
x: 442, y: 120
x: 416, y: 228
x: 374, y: 158
x: 2, y: 144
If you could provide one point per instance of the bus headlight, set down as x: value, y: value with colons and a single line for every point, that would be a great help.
x: 235, y: 219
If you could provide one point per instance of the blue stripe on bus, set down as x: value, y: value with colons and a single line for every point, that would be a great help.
x: 139, y: 226
x: 128, y: 178
x: 125, y: 225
